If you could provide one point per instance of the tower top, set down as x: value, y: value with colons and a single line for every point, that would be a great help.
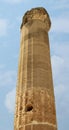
x: 36, y: 13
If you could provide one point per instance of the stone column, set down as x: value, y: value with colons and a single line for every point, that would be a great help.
x: 35, y: 104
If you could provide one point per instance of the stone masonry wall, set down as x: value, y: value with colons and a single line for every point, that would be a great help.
x: 35, y: 104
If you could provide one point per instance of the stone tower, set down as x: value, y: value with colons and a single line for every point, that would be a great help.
x: 35, y: 104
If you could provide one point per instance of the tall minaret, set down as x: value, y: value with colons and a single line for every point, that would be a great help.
x: 35, y: 104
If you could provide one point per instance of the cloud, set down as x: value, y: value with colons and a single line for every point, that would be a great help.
x: 60, y: 69
x: 61, y: 50
x: 7, y: 78
x: 3, y: 27
x: 57, y: 63
x: 10, y: 101
x: 1, y: 66
x: 60, y: 62
x: 60, y: 24
x: 62, y: 105
x: 62, y: 101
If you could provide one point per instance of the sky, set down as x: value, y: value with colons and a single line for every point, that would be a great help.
x: 11, y: 13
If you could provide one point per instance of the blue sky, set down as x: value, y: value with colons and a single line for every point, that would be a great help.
x: 11, y: 12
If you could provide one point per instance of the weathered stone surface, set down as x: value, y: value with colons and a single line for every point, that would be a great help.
x: 40, y: 127
x: 35, y: 105
x: 37, y: 13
